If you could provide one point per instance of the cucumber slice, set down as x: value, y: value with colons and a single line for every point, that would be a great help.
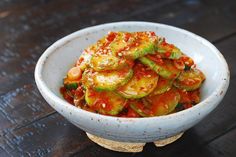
x: 169, y: 51
x: 134, y: 45
x: 167, y: 70
x: 104, y: 102
x: 107, y: 62
x: 164, y: 103
x: 189, y: 80
x: 163, y: 85
x: 141, y: 84
x: 107, y: 80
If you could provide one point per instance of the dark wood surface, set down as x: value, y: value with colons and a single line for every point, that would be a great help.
x: 29, y: 127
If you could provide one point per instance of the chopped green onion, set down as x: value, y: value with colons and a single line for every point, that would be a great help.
x: 179, y: 107
x: 187, y: 68
x: 71, y: 86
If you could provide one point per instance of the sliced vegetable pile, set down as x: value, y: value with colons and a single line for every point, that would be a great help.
x: 133, y: 75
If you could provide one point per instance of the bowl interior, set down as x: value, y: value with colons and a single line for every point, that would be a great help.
x: 68, y: 50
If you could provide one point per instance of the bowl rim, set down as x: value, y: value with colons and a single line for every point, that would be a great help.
x: 215, y: 96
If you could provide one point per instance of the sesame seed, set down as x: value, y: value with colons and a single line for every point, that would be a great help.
x: 119, y: 54
x: 103, y: 105
x: 145, y: 89
x: 149, y: 76
x: 127, y: 48
x: 193, y: 66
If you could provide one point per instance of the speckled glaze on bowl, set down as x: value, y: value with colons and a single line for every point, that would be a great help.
x: 58, y: 58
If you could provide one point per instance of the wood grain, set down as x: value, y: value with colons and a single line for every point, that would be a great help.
x: 21, y: 107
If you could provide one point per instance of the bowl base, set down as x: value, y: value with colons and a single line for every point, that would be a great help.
x: 127, y: 146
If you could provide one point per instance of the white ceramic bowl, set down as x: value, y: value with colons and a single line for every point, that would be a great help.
x: 58, y: 58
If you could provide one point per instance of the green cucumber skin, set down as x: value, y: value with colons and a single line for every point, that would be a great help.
x: 131, y: 96
x: 140, y: 112
x: 116, y: 101
x: 146, y: 47
x: 163, y: 88
x: 98, y: 86
x: 140, y: 53
x: 189, y: 74
x: 111, y: 63
x: 175, y: 54
x: 113, y: 87
x: 158, y: 69
x: 171, y: 103
x: 134, y: 88
x: 88, y: 100
x: 187, y: 88
x: 162, y: 71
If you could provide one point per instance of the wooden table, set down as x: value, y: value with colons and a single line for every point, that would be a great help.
x: 30, y: 127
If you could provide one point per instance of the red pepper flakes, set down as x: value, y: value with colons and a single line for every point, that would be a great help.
x: 102, y: 102
x: 173, y: 75
x: 156, y: 59
x: 122, y: 73
x: 187, y: 60
x: 167, y: 54
x: 163, y: 43
x: 92, y: 94
x: 68, y: 97
x: 186, y: 106
x: 131, y: 113
x: 179, y: 64
x: 190, y: 81
x: 141, y: 71
x: 79, y: 92
x: 189, y: 97
x: 111, y: 36
x: 153, y: 33
x: 171, y: 46
x: 79, y: 61
x: 127, y: 37
x: 195, y: 96
x: 130, y: 63
x: 184, y: 97
x: 129, y: 46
